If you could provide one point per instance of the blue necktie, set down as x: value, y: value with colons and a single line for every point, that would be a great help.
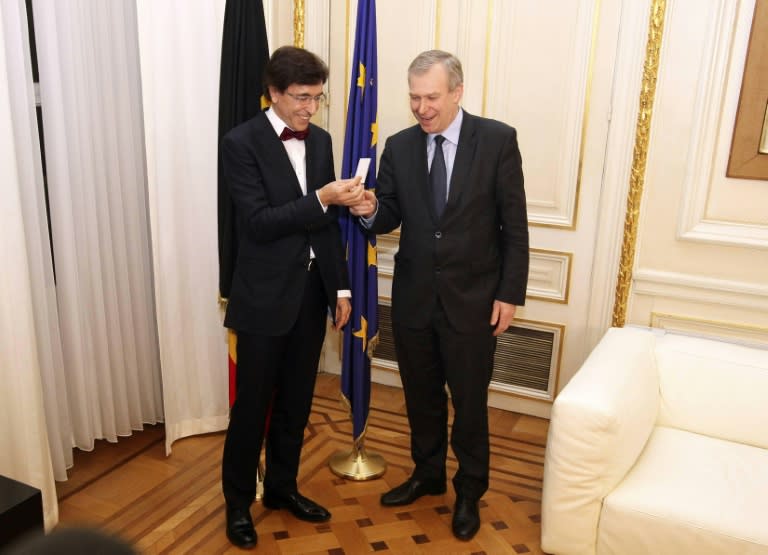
x: 438, y: 177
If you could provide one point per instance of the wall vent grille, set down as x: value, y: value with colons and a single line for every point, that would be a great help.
x: 525, y: 362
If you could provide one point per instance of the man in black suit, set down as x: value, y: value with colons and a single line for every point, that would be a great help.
x: 454, y: 183
x: 290, y: 270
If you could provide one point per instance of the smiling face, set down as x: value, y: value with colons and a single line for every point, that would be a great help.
x: 296, y: 113
x: 433, y: 104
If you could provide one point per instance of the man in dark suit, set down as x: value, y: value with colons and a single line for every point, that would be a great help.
x: 290, y: 270
x: 454, y: 183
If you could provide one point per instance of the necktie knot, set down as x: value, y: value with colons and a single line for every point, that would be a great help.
x: 288, y: 134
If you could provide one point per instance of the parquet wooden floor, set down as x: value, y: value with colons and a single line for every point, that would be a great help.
x: 174, y: 504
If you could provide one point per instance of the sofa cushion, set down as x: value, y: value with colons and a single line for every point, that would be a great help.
x: 713, y: 388
x: 689, y: 493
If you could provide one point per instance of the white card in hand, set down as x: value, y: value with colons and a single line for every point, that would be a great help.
x: 362, y: 168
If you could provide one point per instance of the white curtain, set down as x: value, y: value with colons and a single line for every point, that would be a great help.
x: 180, y: 45
x: 28, y: 326
x: 91, y: 99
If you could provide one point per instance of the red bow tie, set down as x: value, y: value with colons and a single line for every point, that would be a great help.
x: 291, y: 134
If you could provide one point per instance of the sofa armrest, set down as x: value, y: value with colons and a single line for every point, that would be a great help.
x: 599, y: 425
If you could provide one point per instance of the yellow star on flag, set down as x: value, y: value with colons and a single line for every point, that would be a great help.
x: 362, y: 333
x: 375, y: 132
x: 361, y: 79
x: 372, y: 256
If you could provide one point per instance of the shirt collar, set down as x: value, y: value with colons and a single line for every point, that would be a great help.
x: 277, y: 124
x: 451, y: 132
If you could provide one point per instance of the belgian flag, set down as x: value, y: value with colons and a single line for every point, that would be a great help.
x: 244, y: 55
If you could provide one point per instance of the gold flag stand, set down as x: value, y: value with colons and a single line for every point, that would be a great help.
x: 358, y: 464
x: 260, y: 481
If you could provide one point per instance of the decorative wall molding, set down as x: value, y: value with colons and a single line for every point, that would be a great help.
x: 750, y: 335
x: 317, y: 27
x: 700, y: 290
x: 386, y: 247
x: 548, y: 278
x: 560, y: 211
x: 490, y: 39
x: 693, y: 223
x: 549, y: 275
x: 722, y: 233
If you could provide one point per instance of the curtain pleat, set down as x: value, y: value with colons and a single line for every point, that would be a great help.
x: 91, y: 98
x: 30, y: 355
x: 180, y: 45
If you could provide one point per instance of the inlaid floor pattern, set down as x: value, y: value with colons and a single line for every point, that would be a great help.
x: 174, y: 504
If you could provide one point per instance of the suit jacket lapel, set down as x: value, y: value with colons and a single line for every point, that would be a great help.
x: 462, y: 164
x: 312, y: 157
x: 421, y: 168
x: 273, y: 149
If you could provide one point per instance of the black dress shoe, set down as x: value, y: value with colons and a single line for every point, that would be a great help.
x: 410, y: 490
x: 466, y: 518
x: 301, y: 507
x: 240, y: 530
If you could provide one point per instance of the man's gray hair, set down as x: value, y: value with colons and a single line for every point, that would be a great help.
x: 424, y: 61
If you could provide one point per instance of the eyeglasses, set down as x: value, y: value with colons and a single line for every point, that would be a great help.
x: 305, y: 99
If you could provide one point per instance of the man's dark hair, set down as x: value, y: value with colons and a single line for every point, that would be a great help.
x: 289, y: 65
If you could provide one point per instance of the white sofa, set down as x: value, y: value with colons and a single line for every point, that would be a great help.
x: 659, y: 445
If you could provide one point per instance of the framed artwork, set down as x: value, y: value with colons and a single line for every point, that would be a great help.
x: 749, y: 145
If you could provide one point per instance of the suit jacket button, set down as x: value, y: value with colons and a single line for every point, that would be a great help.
x: 438, y: 235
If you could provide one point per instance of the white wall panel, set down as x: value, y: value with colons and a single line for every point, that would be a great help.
x: 701, y: 235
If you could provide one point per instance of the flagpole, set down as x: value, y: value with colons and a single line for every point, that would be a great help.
x: 361, y: 332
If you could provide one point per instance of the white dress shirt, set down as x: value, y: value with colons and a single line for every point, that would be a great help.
x: 450, y: 144
x: 297, y: 154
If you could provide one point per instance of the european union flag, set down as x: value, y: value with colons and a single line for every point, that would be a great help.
x: 361, y: 334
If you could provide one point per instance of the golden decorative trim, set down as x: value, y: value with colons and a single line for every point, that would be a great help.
x: 763, y: 149
x: 298, y: 23
x: 346, y: 62
x: 568, y: 227
x: 566, y: 294
x: 488, y: 23
x: 639, y: 160
x: 438, y: 9
x: 585, y: 116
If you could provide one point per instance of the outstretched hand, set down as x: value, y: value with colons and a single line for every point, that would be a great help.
x: 366, y: 207
x: 342, y: 192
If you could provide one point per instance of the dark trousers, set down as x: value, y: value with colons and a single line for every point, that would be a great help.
x: 428, y: 359
x: 280, y: 371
